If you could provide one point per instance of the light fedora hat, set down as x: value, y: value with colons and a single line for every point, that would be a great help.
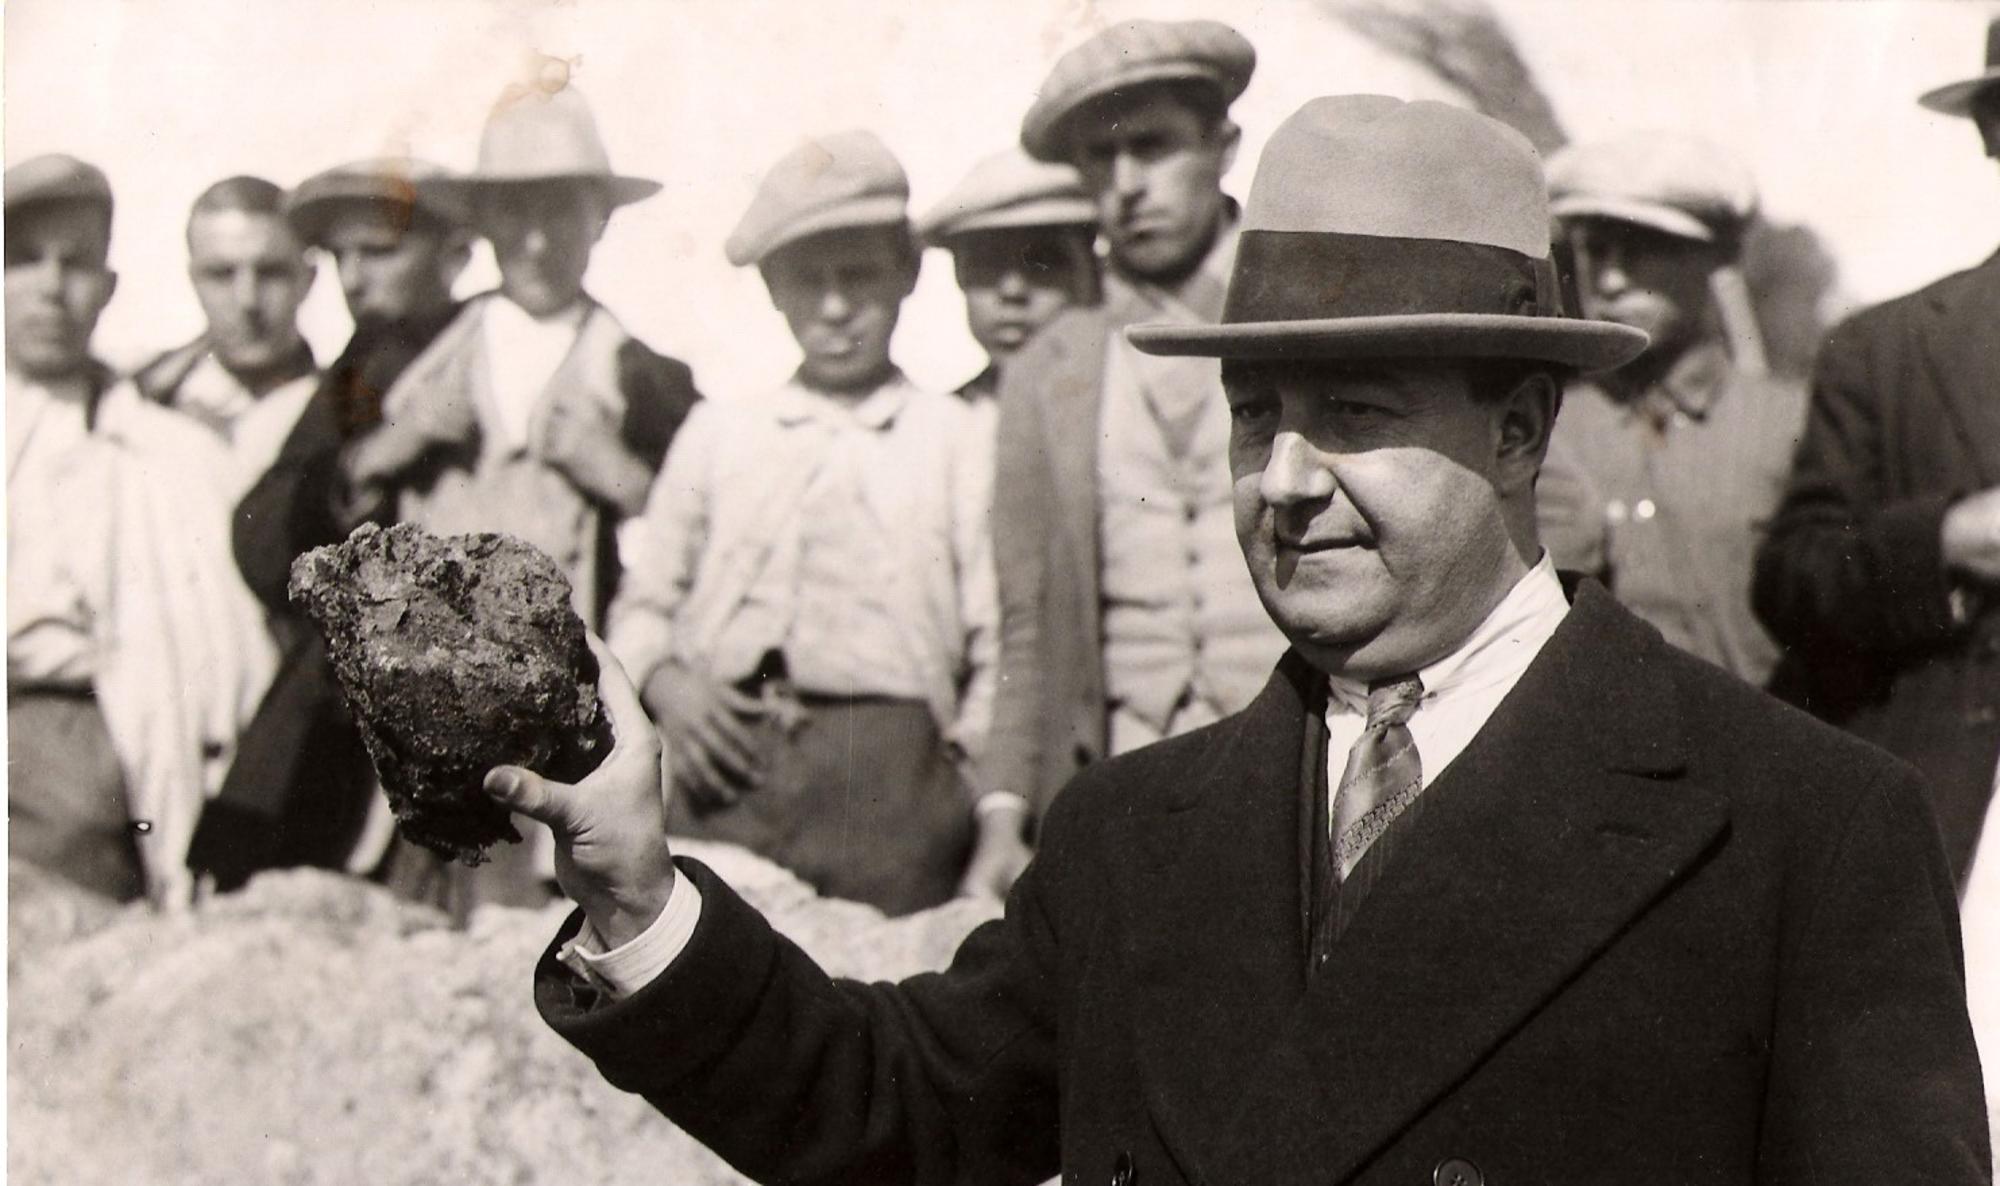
x: 1955, y: 98
x: 1377, y: 228
x: 539, y: 135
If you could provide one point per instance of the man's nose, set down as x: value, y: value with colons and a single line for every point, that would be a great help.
x: 1128, y: 175
x: 834, y: 304
x: 243, y: 287
x: 1013, y: 285
x: 1608, y: 275
x: 1295, y: 473
x: 46, y: 275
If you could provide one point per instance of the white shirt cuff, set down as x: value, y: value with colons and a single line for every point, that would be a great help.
x: 625, y: 970
x: 993, y: 801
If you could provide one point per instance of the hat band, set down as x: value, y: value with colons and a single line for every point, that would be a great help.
x: 1312, y: 276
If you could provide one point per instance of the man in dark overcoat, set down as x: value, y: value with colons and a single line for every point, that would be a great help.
x: 1489, y: 884
x: 1881, y: 572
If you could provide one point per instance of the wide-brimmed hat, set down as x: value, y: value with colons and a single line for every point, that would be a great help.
x: 538, y: 135
x: 1133, y: 54
x: 1668, y: 181
x: 1383, y: 229
x: 1008, y: 190
x: 838, y: 181
x: 1956, y: 98
x: 393, y: 181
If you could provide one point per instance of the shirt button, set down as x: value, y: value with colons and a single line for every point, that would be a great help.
x: 1457, y: 1171
x: 1644, y: 510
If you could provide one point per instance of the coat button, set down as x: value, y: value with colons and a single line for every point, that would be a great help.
x: 1121, y: 1170
x: 1457, y: 1171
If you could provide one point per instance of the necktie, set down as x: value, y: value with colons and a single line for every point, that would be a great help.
x: 1382, y: 779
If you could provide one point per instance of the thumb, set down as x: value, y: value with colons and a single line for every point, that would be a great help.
x: 523, y: 790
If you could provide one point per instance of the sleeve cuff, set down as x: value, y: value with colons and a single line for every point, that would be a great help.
x: 993, y: 801
x: 626, y: 969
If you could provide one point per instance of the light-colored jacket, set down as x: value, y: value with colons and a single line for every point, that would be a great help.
x: 183, y: 652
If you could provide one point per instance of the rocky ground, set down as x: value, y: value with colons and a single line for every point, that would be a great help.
x: 315, y: 1030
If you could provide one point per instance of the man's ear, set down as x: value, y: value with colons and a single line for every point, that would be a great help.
x: 1526, y: 417
x: 1231, y: 138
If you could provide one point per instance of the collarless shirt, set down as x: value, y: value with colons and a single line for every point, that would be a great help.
x: 523, y: 352
x: 50, y: 491
x: 1462, y: 689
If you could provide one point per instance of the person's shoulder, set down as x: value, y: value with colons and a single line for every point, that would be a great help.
x: 1981, y: 281
x: 1078, y: 332
x: 1759, y: 750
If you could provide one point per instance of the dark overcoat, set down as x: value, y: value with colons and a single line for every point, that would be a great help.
x: 1651, y: 926
x: 1904, y: 419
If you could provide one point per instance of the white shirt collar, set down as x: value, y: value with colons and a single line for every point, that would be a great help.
x: 1498, y: 651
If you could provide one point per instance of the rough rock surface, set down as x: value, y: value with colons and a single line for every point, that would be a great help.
x: 456, y: 655
x: 315, y: 1030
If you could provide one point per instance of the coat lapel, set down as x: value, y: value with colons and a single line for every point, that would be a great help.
x: 1561, y: 823
x: 1963, y: 343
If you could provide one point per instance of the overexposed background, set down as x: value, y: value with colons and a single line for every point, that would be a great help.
x: 169, y: 95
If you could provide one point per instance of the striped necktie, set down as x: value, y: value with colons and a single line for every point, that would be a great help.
x: 1383, y: 778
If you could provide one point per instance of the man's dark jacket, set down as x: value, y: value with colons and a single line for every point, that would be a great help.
x: 1651, y: 926
x: 298, y: 790
x: 1904, y: 420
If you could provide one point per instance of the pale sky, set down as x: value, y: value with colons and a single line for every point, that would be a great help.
x: 169, y: 95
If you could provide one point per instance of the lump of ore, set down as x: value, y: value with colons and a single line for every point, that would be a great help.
x: 456, y: 655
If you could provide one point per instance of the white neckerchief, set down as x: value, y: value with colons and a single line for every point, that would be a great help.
x: 1462, y: 689
x: 522, y: 354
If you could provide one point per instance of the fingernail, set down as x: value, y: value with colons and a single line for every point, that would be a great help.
x: 503, y: 781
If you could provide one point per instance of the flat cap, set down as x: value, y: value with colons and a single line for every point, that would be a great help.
x: 1668, y: 181
x: 56, y: 177
x: 393, y: 180
x: 831, y: 182
x: 1006, y: 190
x: 1129, y: 55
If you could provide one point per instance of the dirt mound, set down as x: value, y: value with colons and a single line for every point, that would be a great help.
x: 312, y: 1029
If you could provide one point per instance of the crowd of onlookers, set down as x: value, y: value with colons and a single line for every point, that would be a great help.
x: 879, y: 626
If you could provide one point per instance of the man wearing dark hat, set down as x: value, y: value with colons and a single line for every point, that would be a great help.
x: 1881, y: 572
x: 1488, y: 884
x: 1663, y: 474
x: 1125, y: 613
x: 132, y: 649
x: 535, y: 412
x: 250, y: 373
x: 1020, y: 234
x: 301, y: 787
x: 810, y: 610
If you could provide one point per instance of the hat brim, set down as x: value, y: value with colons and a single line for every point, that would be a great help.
x: 1043, y: 137
x: 855, y: 214
x: 1956, y: 98
x: 1057, y: 214
x: 310, y: 219
x: 1651, y: 215
x: 1565, y: 341
x: 623, y: 190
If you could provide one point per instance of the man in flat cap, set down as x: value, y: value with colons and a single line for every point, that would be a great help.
x: 1881, y: 570
x: 1663, y: 474
x: 1489, y: 884
x: 535, y: 412
x: 810, y: 611
x: 133, y: 652
x: 1126, y: 616
x: 302, y: 787
x: 249, y: 374
x: 1020, y: 232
